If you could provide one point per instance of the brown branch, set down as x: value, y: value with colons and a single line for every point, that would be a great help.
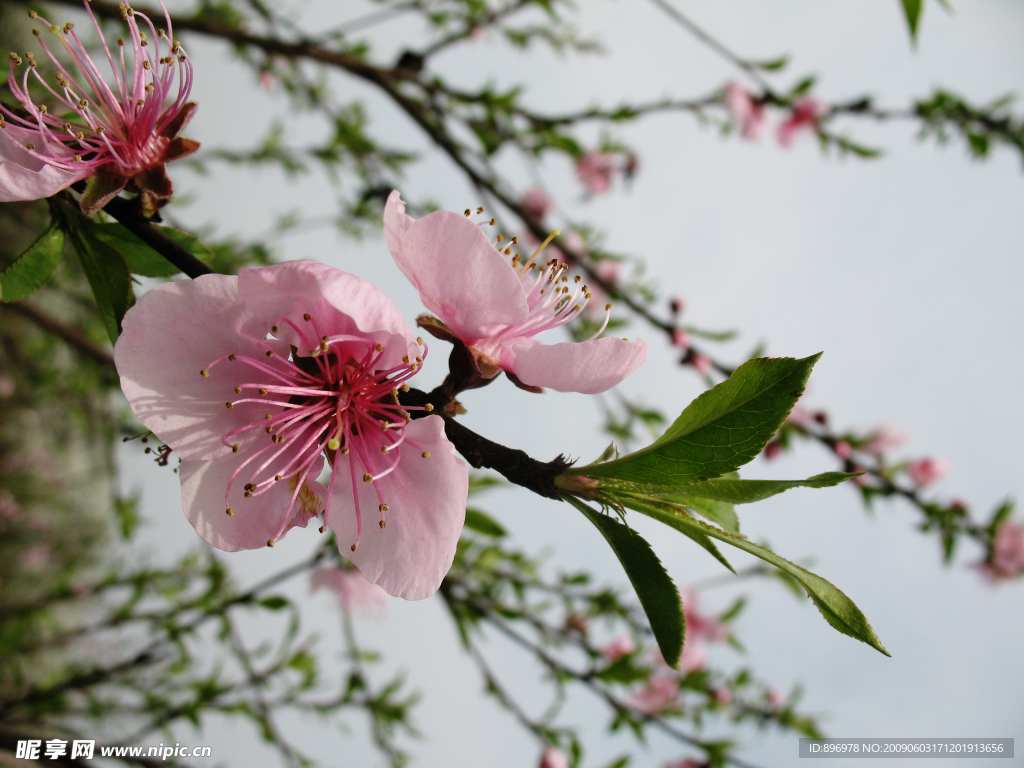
x: 72, y: 336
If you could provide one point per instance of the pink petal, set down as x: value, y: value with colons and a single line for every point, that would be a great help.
x: 351, y: 589
x: 172, y: 333
x: 337, y: 302
x: 23, y: 177
x: 426, y: 501
x: 257, y: 520
x: 396, y: 222
x: 588, y: 367
x: 461, y: 276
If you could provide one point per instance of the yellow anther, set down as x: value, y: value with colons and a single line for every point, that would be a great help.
x: 232, y: 358
x: 229, y: 405
x: 419, y: 340
x: 307, y: 317
x: 405, y: 387
x: 238, y: 390
x: 234, y: 448
x: 379, y: 347
x: 270, y: 353
x: 274, y: 329
x: 367, y: 478
x: 383, y: 507
x: 383, y: 524
x: 468, y: 212
x: 270, y: 542
x: 344, y: 451
x: 425, y: 454
x: 353, y: 547
x: 204, y: 373
x: 229, y: 511
x: 428, y: 407
x: 323, y: 528
x: 333, y: 444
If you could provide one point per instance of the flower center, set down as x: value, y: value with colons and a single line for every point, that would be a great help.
x: 335, y: 401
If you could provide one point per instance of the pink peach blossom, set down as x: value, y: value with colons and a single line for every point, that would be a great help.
x: 926, y: 471
x: 702, y: 363
x: 595, y: 170
x: 842, y: 449
x: 659, y: 694
x: 351, y: 589
x: 749, y: 113
x: 772, y: 450
x: 536, y: 202
x: 723, y: 696
x: 699, y: 626
x: 1007, y: 558
x: 553, y: 758
x: 324, y: 382
x: 883, y: 439
x: 805, y: 115
x: 497, y: 304
x: 115, y: 135
x: 619, y: 647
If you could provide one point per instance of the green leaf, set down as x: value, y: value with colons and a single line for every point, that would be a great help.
x: 717, y: 433
x: 33, y: 268
x: 143, y: 260
x: 720, y: 512
x: 837, y: 608
x: 772, y: 65
x: 733, y: 490
x: 104, y: 268
x: 803, y: 86
x: 912, y: 10
x: 483, y: 523
x: 274, y: 602
x: 658, y: 595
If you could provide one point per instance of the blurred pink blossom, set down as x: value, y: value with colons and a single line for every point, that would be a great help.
x: 699, y: 626
x: 805, y: 114
x: 6, y: 385
x: 619, y: 647
x: 884, y: 439
x: 660, y: 693
x: 536, y: 202
x: 772, y: 450
x: 351, y: 589
x: 607, y: 270
x: 842, y: 449
x: 926, y: 471
x: 594, y: 170
x: 553, y: 758
x: 701, y: 363
x: 681, y: 338
x: 9, y: 508
x: 1007, y: 558
x: 748, y: 112
x: 688, y: 762
x: 723, y: 696
x: 774, y: 698
x: 36, y: 556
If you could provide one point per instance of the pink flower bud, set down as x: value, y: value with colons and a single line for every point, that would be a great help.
x: 553, y: 758
x: 619, y: 647
x: 701, y: 363
x: 926, y: 471
x: 723, y: 696
x: 681, y: 338
x: 842, y: 449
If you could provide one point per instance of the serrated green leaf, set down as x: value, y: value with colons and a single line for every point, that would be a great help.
x: 912, y: 11
x: 718, y: 432
x: 733, y: 490
x: 837, y: 608
x: 720, y: 512
x: 33, y: 268
x: 143, y: 260
x: 483, y: 523
x: 104, y: 268
x: 658, y: 595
